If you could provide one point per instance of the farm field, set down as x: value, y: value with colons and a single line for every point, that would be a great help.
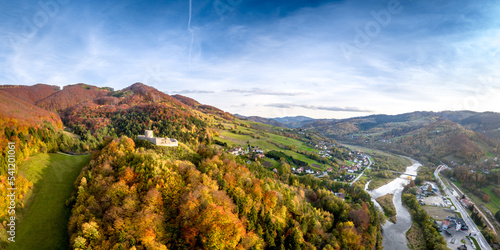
x: 44, y: 223
x: 263, y: 140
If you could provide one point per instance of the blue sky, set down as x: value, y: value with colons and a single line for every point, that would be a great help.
x: 323, y: 59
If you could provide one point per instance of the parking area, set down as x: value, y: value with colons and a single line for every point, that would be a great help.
x: 456, y: 238
x: 436, y: 201
x: 439, y: 213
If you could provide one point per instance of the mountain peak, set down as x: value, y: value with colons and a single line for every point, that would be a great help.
x: 140, y: 87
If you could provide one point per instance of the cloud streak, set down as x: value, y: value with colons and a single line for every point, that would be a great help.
x: 188, y: 91
x: 258, y: 91
x: 313, y: 107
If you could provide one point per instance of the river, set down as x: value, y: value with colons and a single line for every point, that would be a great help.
x: 395, y: 234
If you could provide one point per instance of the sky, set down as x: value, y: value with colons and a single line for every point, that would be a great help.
x: 322, y: 59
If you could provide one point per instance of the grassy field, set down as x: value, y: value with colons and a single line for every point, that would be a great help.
x: 377, y: 153
x: 261, y: 139
x: 387, y: 204
x: 369, y: 151
x: 44, y: 221
x: 493, y: 205
x: 377, y: 182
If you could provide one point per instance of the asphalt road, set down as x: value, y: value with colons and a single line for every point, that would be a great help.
x: 359, y: 176
x: 472, y: 226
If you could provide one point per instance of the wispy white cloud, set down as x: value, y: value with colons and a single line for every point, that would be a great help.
x: 193, y: 92
x: 313, y: 107
x: 258, y: 91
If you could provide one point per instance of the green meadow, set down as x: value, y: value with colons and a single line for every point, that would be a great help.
x: 43, y: 222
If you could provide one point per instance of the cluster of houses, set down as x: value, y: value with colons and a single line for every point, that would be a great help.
x: 325, y: 153
x: 426, y: 190
x: 259, y: 153
x: 481, y: 169
x: 360, y: 161
x: 311, y: 171
x: 325, y: 148
x: 238, y: 151
x: 351, y: 169
x: 386, y: 141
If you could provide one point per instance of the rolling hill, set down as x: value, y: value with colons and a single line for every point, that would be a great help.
x: 463, y: 136
x: 70, y: 96
x: 21, y: 112
x: 268, y: 121
x: 288, y: 122
x: 31, y: 94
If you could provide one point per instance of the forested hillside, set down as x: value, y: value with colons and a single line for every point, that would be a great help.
x: 31, y: 94
x: 132, y: 110
x: 159, y: 198
x: 203, y: 107
x: 428, y: 136
x: 71, y: 96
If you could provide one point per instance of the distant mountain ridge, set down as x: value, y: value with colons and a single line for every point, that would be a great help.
x: 454, y: 135
x: 288, y: 121
x: 264, y: 120
x: 202, y: 107
x: 465, y: 136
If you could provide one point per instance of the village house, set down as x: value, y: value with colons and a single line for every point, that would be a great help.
x: 466, y: 203
x: 258, y: 151
x: 159, y: 141
x: 236, y: 151
x: 340, y: 195
x: 454, y: 222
